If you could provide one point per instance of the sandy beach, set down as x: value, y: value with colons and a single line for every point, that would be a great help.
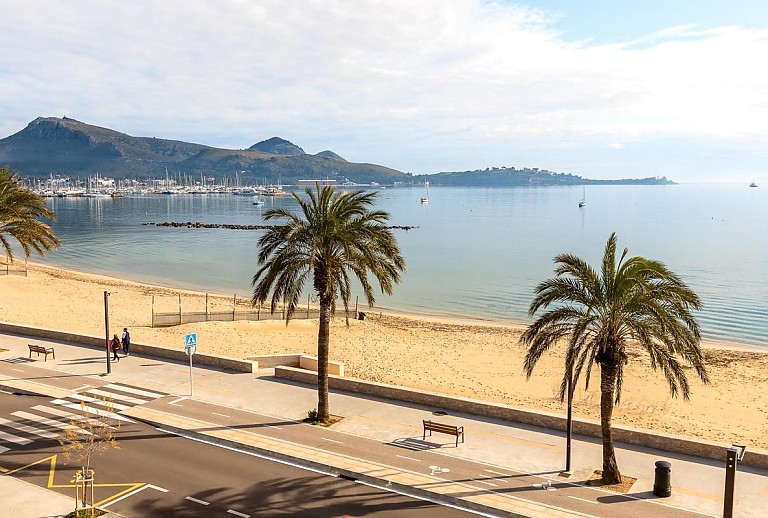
x: 482, y: 361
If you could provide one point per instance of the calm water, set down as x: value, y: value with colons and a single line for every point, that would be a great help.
x: 477, y: 252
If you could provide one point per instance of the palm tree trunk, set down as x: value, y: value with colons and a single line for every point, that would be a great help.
x: 611, y: 474
x: 323, y: 340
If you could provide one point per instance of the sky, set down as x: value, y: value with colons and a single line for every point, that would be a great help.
x: 601, y: 89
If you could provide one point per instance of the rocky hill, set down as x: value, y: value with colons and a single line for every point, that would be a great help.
x: 52, y: 145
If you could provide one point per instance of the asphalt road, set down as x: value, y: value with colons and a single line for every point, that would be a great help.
x: 154, y: 473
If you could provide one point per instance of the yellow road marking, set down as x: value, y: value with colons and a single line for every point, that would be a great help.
x: 130, y: 486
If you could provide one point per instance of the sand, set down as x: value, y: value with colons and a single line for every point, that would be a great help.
x: 477, y: 360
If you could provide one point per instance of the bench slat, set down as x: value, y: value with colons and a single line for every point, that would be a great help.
x: 39, y: 349
x: 448, y: 429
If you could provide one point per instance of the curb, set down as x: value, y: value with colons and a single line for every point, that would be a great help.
x: 341, y: 473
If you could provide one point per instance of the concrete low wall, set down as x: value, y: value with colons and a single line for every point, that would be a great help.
x: 269, y: 361
x: 221, y: 362
x: 310, y: 363
x: 303, y: 361
x: 625, y: 434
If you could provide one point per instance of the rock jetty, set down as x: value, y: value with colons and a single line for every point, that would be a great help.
x: 198, y: 224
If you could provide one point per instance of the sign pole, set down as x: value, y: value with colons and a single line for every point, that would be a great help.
x: 190, y: 352
x: 190, y: 344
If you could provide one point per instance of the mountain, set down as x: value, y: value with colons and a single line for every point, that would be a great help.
x: 277, y: 146
x: 52, y: 145
x: 330, y: 154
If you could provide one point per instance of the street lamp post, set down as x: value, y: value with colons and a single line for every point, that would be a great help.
x: 569, y: 423
x: 734, y: 454
x: 106, y: 328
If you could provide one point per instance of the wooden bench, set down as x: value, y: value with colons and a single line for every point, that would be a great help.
x: 39, y: 349
x: 431, y: 426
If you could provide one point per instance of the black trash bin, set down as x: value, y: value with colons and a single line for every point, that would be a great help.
x: 662, y: 484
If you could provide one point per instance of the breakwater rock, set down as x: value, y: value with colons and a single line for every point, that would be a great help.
x: 198, y: 224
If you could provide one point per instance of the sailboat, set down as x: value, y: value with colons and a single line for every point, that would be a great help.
x: 425, y: 198
x: 583, y: 201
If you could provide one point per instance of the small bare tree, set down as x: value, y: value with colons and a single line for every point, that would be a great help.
x: 92, y: 430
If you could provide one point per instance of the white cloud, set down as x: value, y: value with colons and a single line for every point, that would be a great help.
x: 420, y: 86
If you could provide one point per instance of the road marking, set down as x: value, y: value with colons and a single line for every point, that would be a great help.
x: 49, y: 422
x: 114, y: 396
x: 273, y: 426
x: 14, y: 438
x: 177, y: 400
x: 243, y: 515
x: 222, y: 415
x: 583, y: 500
x: 484, y: 482
x: 195, y: 500
x: 498, y: 473
x: 409, y: 458
x: 92, y: 400
x: 142, y: 488
x: 78, y: 389
x: 124, y: 388
x: 331, y: 440
x: 486, y: 477
x: 90, y: 410
x: 18, y: 370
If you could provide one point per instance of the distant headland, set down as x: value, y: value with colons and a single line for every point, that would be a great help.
x: 65, y: 146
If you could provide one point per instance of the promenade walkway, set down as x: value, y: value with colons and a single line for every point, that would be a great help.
x: 502, y: 468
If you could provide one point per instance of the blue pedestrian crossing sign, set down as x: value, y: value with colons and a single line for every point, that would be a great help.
x: 191, y: 340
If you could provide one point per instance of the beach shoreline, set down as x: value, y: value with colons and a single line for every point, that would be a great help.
x: 466, y: 357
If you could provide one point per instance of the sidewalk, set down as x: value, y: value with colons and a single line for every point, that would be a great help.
x: 24, y: 500
x: 501, y: 465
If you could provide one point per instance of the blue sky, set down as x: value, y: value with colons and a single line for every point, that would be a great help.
x: 600, y: 89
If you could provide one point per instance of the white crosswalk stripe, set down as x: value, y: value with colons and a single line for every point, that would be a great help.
x: 92, y: 401
x: 133, y: 390
x: 69, y: 416
x: 13, y: 438
x: 90, y: 410
x: 119, y: 397
x: 28, y: 429
x: 46, y: 421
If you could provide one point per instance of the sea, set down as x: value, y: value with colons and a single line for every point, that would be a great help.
x: 471, y: 252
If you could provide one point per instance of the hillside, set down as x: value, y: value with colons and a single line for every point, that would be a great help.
x: 52, y: 145
x: 510, y: 177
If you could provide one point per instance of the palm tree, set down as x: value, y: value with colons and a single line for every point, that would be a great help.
x: 20, y: 209
x: 635, y: 302
x: 335, y: 239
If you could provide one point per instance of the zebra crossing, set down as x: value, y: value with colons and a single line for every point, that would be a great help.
x: 50, y: 420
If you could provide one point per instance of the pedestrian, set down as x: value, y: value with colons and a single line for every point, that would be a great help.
x: 126, y: 341
x: 114, y: 344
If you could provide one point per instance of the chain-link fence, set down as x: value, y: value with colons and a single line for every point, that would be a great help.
x: 241, y: 309
x: 178, y: 318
